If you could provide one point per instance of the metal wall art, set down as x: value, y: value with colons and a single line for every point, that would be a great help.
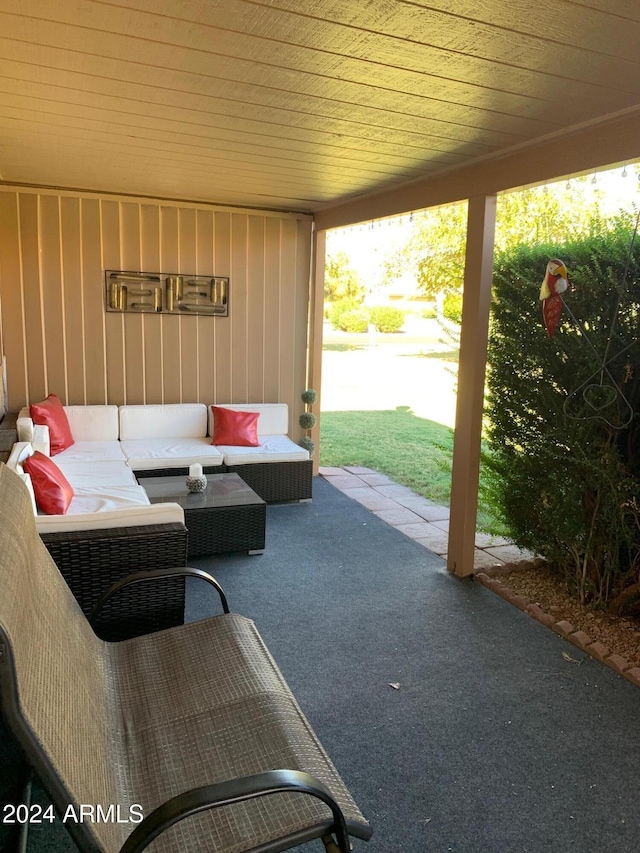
x: 166, y: 293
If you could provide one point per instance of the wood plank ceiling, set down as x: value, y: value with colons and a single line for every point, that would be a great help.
x: 296, y: 104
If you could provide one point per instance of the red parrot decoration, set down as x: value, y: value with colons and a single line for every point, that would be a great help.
x: 555, y: 283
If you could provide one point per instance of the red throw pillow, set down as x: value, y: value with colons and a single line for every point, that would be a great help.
x: 235, y: 428
x: 52, y: 490
x: 51, y: 413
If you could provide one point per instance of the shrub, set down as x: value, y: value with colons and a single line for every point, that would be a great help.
x: 564, y: 461
x: 387, y: 319
x: 452, y: 307
x: 339, y: 308
x: 354, y: 321
x: 308, y: 420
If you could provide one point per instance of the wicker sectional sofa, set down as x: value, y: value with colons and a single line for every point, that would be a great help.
x: 112, y: 527
x: 161, y: 440
x: 277, y: 470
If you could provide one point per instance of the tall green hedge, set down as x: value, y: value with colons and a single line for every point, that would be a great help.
x: 564, y: 471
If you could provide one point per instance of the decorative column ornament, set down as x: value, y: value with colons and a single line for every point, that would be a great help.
x: 308, y: 420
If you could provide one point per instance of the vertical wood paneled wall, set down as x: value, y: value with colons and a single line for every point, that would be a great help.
x: 58, y: 338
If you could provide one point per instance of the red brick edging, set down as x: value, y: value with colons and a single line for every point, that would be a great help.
x: 565, y: 629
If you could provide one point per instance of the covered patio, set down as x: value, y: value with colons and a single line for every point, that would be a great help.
x: 225, y: 139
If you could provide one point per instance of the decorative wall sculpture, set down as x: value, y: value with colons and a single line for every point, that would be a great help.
x: 166, y: 293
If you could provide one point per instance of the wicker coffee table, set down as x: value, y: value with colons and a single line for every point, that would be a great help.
x: 228, y: 516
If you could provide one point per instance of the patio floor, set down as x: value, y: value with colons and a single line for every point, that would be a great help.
x: 455, y: 719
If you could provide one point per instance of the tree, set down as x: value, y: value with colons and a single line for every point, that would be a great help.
x: 435, y: 250
x: 341, y: 280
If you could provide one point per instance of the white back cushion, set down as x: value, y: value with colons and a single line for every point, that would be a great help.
x: 177, y: 420
x: 93, y: 423
x: 41, y: 439
x: 273, y: 420
x: 35, y: 434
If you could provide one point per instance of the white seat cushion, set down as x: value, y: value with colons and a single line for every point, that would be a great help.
x: 91, y: 451
x: 133, y: 515
x: 272, y: 448
x: 106, y: 495
x: 104, y: 498
x: 88, y: 476
x: 174, y: 420
x: 147, y: 453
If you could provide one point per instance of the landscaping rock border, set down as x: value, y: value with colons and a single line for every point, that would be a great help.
x: 494, y: 579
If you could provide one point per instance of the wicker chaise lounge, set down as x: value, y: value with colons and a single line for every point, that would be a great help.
x: 193, y: 727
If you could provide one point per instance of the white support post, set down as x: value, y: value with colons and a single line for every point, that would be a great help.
x: 471, y: 373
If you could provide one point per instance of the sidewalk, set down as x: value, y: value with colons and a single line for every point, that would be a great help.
x: 418, y: 518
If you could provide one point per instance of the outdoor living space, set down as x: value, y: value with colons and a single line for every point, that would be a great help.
x: 171, y: 174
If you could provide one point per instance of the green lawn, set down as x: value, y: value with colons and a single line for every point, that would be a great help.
x: 411, y: 450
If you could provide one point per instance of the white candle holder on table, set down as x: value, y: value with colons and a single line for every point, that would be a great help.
x: 196, y: 481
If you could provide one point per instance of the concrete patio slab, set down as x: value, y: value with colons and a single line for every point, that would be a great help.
x: 376, y: 479
x: 484, y: 560
x: 510, y: 554
x: 414, y: 501
x: 345, y: 481
x: 416, y: 531
x: 436, y: 543
x: 371, y: 499
x: 395, y: 490
x: 398, y: 516
x: 432, y: 513
x: 486, y: 540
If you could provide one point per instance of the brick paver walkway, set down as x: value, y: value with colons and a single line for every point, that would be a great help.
x: 420, y: 519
